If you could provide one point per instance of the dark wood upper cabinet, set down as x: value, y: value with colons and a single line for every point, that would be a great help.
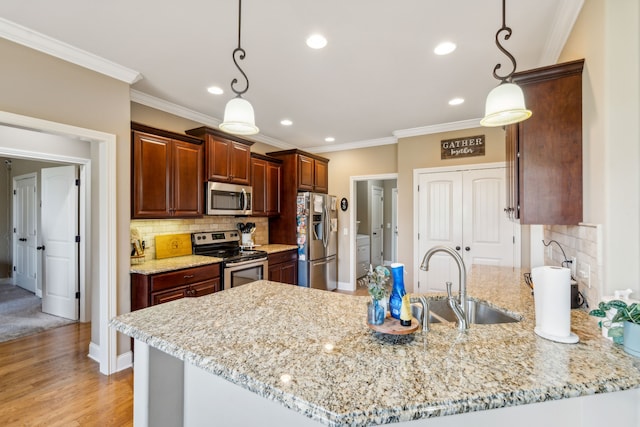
x: 166, y: 174
x: 265, y: 182
x: 227, y: 158
x: 544, y: 153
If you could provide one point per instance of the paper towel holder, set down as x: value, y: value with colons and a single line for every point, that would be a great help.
x: 569, y: 339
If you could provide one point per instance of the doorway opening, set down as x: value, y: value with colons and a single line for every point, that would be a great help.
x: 26, y: 137
x: 374, y: 232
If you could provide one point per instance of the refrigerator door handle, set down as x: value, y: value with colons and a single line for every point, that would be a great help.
x: 325, y: 235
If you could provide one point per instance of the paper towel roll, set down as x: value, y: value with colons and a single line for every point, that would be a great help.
x: 552, y: 299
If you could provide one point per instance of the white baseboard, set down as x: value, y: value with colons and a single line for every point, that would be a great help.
x: 123, y: 361
x: 346, y: 286
x: 94, y: 352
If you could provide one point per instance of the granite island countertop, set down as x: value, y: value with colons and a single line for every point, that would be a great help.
x: 340, y: 372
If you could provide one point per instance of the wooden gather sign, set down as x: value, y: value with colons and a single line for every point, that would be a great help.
x: 462, y: 147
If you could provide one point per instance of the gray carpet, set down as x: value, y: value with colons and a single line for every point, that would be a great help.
x: 21, y: 314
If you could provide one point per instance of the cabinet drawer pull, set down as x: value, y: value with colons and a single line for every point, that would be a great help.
x: 189, y: 276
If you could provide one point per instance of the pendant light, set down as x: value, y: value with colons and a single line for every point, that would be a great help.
x: 505, y: 103
x: 239, y: 118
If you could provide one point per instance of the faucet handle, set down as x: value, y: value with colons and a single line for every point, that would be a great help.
x: 449, y: 285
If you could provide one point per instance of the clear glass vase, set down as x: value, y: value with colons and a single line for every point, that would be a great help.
x: 375, y: 312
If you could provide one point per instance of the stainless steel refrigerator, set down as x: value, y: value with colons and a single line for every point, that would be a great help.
x: 317, y: 233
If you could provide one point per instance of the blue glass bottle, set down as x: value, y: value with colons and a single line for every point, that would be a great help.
x: 398, y: 291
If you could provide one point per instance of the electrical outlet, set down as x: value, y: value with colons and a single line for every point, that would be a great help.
x: 584, y: 273
x: 345, y: 231
x: 574, y: 266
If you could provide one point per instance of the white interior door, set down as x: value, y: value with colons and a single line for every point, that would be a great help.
x: 440, y: 223
x: 25, y: 236
x: 463, y: 210
x: 59, y: 231
x: 376, y: 204
x: 488, y: 233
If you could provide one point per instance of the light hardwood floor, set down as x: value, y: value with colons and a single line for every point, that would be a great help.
x: 47, y: 379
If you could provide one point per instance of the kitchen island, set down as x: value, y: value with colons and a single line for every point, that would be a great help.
x: 269, y: 354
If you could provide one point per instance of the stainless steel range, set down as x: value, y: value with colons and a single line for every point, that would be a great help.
x: 240, y: 266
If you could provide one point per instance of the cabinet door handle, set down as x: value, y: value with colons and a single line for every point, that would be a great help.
x: 189, y: 276
x: 467, y: 248
x: 457, y: 248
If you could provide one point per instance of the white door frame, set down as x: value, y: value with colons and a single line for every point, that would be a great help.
x: 353, y: 182
x: 105, y: 146
x: 394, y: 224
x: 416, y: 226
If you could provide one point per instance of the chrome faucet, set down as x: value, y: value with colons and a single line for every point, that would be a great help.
x: 425, y: 311
x: 459, y: 307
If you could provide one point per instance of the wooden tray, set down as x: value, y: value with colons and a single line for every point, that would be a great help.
x: 392, y: 326
x: 173, y: 245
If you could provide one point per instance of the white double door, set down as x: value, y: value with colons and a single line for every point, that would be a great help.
x: 464, y: 210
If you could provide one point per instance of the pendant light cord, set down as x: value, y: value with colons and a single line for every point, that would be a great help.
x: 241, y: 54
x: 507, y: 34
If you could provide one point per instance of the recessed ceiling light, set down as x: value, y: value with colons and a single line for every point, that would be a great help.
x: 444, y: 48
x: 215, y: 90
x: 456, y: 101
x: 329, y: 139
x: 316, y: 41
x: 286, y: 122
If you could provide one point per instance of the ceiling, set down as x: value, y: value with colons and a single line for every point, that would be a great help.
x: 377, y: 78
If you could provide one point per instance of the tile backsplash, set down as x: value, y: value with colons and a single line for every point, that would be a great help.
x: 583, y: 241
x: 149, y: 228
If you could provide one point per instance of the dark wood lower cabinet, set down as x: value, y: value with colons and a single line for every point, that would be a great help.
x: 153, y: 289
x: 283, y: 267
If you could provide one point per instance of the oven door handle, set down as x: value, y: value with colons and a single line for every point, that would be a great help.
x: 241, y: 263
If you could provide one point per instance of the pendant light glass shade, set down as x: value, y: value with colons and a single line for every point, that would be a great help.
x: 239, y: 118
x: 504, y: 106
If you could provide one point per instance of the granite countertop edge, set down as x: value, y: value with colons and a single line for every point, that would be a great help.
x: 478, y: 401
x: 383, y: 416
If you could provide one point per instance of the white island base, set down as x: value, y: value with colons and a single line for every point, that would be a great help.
x: 170, y: 392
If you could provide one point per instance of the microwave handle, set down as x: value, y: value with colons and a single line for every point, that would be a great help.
x: 244, y: 200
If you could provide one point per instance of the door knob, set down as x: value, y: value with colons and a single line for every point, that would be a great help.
x: 22, y: 239
x: 40, y: 248
x: 467, y: 248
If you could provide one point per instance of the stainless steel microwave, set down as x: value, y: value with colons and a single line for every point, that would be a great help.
x: 228, y: 199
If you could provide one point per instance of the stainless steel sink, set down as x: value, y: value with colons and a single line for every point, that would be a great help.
x: 479, y: 313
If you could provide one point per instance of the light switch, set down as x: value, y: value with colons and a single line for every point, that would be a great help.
x: 345, y: 231
x: 388, y: 225
x: 584, y: 273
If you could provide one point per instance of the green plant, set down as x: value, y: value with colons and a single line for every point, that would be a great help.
x: 377, y: 282
x: 624, y: 313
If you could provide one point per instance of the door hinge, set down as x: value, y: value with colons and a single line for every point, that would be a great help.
x: 14, y: 229
x: 14, y: 192
x: 77, y: 239
x: 77, y: 295
x: 418, y: 236
x: 78, y: 182
x: 14, y: 268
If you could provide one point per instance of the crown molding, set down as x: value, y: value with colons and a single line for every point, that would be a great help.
x: 186, y: 113
x: 565, y: 18
x: 45, y: 44
x: 353, y: 145
x: 443, y: 127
